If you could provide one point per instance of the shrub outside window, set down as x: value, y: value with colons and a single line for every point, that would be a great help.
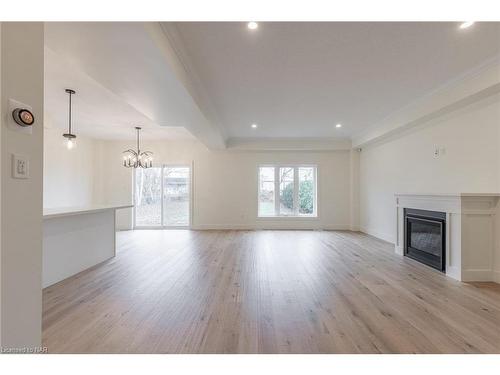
x: 287, y: 190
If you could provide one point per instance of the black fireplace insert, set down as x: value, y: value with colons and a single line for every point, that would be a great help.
x: 425, y: 238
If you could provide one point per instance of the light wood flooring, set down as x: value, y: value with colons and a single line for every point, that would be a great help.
x: 266, y: 292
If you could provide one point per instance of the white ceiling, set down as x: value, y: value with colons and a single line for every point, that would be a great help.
x: 97, y: 112
x: 300, y: 79
x: 122, y: 79
x: 213, y: 80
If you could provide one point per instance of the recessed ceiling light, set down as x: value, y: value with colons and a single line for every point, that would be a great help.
x: 338, y: 125
x: 466, y: 25
x: 252, y: 25
x: 254, y: 126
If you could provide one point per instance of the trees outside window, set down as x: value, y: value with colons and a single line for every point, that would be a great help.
x: 162, y: 196
x: 148, y: 197
x: 287, y: 191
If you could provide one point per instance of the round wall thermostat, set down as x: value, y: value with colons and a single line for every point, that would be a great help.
x: 23, y: 117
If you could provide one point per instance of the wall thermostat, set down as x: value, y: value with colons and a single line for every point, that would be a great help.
x: 20, y: 117
x: 23, y: 117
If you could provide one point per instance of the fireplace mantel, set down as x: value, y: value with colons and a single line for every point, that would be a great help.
x: 471, y: 231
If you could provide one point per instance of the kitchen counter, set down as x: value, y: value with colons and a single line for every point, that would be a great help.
x: 77, y: 238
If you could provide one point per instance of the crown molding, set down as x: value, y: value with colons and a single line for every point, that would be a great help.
x: 288, y: 144
x: 477, y: 84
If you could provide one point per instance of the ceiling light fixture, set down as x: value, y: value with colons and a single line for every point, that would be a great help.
x: 466, y: 25
x: 71, y: 138
x: 338, y: 126
x: 136, y: 159
x: 252, y: 25
x: 254, y: 126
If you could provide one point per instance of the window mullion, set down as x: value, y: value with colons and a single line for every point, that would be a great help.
x: 276, y: 192
x: 134, y: 181
x: 296, y: 191
x: 315, y: 191
x: 162, y: 195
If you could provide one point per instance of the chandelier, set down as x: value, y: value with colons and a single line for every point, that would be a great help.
x: 136, y: 159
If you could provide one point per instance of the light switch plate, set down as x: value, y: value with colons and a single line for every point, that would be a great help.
x: 20, y: 166
x: 436, y: 151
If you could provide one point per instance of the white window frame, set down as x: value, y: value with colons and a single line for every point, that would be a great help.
x: 296, y: 215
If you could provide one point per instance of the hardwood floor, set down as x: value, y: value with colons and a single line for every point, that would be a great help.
x: 266, y: 292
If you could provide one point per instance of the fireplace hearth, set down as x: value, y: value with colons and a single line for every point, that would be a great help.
x: 425, y: 237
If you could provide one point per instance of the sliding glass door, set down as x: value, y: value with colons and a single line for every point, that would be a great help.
x: 148, y: 197
x: 163, y: 197
x: 176, y: 202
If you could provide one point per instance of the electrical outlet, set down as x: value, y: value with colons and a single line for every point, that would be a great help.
x: 20, y: 166
x: 439, y: 151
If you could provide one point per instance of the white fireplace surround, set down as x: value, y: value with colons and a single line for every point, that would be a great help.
x: 472, y: 231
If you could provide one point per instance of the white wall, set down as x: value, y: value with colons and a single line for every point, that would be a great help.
x: 21, y: 199
x: 68, y: 178
x: 354, y: 203
x: 470, y: 137
x: 225, y: 184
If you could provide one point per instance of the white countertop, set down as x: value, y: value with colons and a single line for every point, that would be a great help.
x: 480, y: 194
x: 451, y: 194
x: 53, y: 212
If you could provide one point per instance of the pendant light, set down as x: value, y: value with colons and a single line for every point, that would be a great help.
x: 71, y: 138
x: 136, y: 159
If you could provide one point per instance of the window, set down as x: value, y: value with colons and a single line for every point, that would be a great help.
x: 148, y: 197
x: 162, y: 196
x: 266, y: 191
x: 176, y: 196
x: 287, y: 191
x: 287, y: 196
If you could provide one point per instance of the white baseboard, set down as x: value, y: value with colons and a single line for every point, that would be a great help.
x: 477, y: 275
x: 338, y: 227
x: 221, y: 227
x: 399, y: 250
x: 271, y: 226
x: 380, y: 235
x: 123, y: 227
x: 496, y: 276
x: 454, y: 272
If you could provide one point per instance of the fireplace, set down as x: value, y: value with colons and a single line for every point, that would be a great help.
x: 425, y: 237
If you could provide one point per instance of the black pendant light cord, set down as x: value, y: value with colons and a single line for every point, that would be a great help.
x: 70, y: 94
x: 138, y: 148
x: 70, y: 113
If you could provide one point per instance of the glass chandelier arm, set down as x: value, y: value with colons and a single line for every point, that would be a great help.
x: 139, y: 159
x: 130, y: 151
